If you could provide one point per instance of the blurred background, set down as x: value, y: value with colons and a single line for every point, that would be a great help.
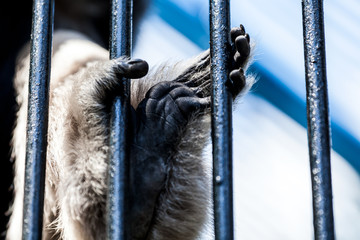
x: 272, y: 187
x: 271, y: 168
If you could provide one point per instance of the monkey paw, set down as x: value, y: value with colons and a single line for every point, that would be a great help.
x: 95, y: 85
x: 198, y: 75
x: 166, y: 109
x: 241, y: 47
x: 106, y: 76
x: 161, y: 118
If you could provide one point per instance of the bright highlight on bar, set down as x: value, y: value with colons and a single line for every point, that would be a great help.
x: 41, y: 44
x: 318, y: 118
x: 221, y: 119
x: 118, y: 169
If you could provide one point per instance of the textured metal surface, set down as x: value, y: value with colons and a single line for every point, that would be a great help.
x: 117, y: 205
x: 318, y: 118
x: 121, y: 28
x: 41, y: 43
x: 221, y: 119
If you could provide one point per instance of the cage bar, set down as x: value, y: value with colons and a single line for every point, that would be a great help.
x: 318, y: 118
x: 118, y: 175
x: 221, y: 120
x: 38, y: 104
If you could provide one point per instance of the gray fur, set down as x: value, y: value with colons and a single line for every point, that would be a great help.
x: 77, y: 152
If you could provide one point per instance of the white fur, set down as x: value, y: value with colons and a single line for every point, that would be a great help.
x: 76, y: 168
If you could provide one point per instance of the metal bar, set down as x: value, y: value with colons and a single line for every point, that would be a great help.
x: 38, y: 103
x: 121, y: 28
x: 318, y: 118
x: 221, y: 119
x: 117, y: 200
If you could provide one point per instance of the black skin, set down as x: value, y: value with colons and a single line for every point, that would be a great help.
x: 159, y: 120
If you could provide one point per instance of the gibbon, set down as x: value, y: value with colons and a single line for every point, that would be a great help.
x: 170, y: 178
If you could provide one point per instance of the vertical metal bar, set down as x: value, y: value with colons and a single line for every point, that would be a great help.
x: 121, y: 28
x: 221, y: 119
x: 41, y: 44
x: 318, y: 118
x: 117, y: 201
